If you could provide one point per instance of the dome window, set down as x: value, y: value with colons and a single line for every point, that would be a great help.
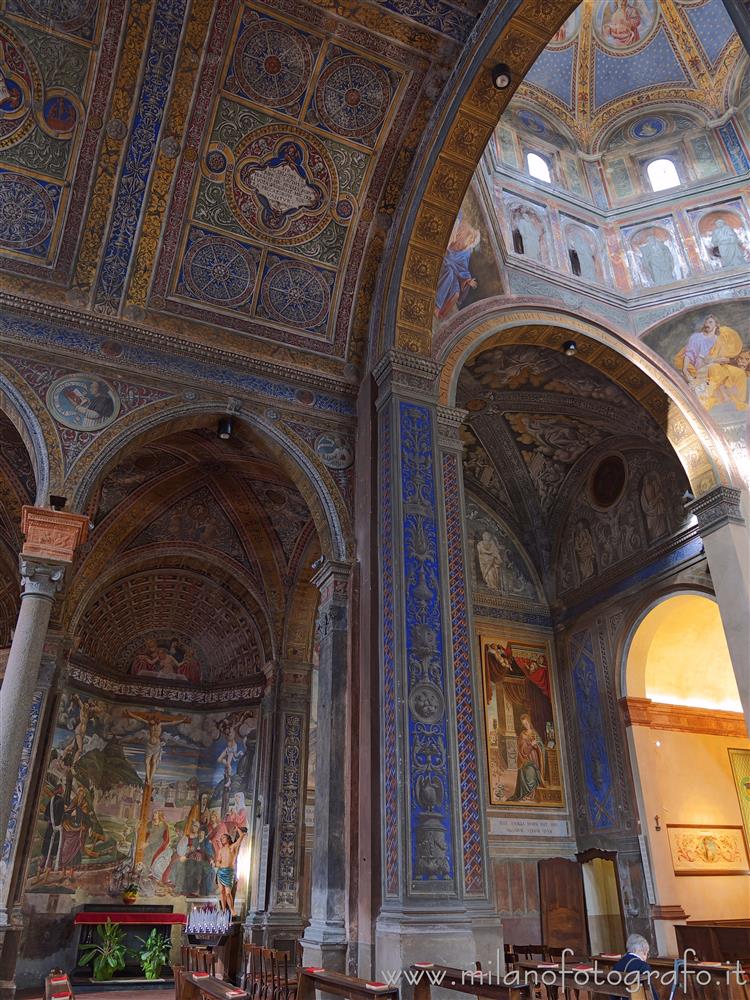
x: 663, y: 175
x: 538, y: 167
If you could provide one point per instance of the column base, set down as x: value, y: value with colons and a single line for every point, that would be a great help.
x: 458, y: 939
x: 280, y: 931
x: 324, y: 945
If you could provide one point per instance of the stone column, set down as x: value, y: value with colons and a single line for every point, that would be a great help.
x: 281, y: 922
x: 51, y: 540
x: 726, y: 539
x: 325, y: 941
x: 437, y: 903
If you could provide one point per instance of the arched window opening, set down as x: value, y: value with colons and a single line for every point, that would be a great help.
x: 538, y: 167
x: 663, y: 175
x: 575, y: 263
x: 517, y: 241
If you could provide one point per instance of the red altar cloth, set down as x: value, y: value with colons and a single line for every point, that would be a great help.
x: 124, y: 917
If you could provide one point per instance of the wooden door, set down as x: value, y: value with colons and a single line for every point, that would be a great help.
x: 563, y: 905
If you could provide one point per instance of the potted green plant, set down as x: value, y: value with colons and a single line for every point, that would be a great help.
x: 130, y: 893
x: 108, y: 955
x: 155, y: 953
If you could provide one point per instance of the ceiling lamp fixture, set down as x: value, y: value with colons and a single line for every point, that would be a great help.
x: 501, y: 77
x: 570, y: 347
x: 225, y: 428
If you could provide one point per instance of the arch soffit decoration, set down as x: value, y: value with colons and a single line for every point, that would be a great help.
x: 514, y: 32
x: 300, y: 463
x: 702, y: 453
x: 36, y: 430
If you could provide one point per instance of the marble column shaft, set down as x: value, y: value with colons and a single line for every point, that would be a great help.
x: 41, y: 580
x: 324, y: 941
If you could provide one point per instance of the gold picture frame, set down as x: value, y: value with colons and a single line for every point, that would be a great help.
x: 712, y: 849
x: 524, y: 762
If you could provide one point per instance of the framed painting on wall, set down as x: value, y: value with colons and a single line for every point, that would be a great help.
x: 523, y: 752
x: 707, y: 850
x: 740, y: 763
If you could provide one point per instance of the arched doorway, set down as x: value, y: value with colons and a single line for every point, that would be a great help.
x: 688, y: 745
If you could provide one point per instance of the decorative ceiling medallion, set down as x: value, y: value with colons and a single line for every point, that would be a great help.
x: 352, y: 96
x: 66, y: 15
x: 334, y: 450
x: 608, y: 481
x: 282, y: 185
x: 624, y: 24
x: 26, y: 212
x: 273, y: 64
x: 20, y: 89
x: 296, y: 294
x: 219, y: 270
x: 83, y: 402
x: 647, y: 128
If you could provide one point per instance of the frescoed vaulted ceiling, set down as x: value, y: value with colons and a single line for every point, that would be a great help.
x: 538, y: 423
x: 199, y: 540
x: 611, y: 61
x: 212, y: 170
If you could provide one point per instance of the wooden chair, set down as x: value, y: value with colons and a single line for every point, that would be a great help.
x: 284, y: 988
x: 251, y: 980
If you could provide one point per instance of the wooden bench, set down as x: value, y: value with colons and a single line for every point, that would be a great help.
x: 199, y: 986
x: 723, y: 985
x: 311, y: 979
x: 445, y: 977
x: 556, y: 982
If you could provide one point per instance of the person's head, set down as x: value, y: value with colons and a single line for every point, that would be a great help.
x: 526, y: 721
x: 226, y: 840
x: 95, y: 388
x: 59, y: 789
x: 637, y: 945
x: 710, y: 324
x: 195, y: 828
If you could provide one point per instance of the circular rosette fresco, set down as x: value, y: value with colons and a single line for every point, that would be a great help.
x: 20, y: 88
x: 67, y: 15
x: 219, y: 270
x: 623, y: 25
x: 352, y: 96
x: 281, y: 186
x: 296, y: 294
x: 273, y: 63
x: 26, y: 212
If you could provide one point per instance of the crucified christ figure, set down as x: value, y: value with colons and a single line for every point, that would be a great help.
x: 155, y: 721
x: 226, y: 858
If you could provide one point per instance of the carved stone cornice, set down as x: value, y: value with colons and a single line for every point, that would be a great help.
x: 404, y: 374
x: 675, y: 912
x: 52, y: 535
x: 449, y: 422
x: 718, y: 507
x: 332, y: 580
x: 683, y: 718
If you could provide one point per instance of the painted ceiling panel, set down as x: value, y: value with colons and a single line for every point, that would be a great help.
x: 713, y: 27
x: 617, y: 75
x: 554, y: 72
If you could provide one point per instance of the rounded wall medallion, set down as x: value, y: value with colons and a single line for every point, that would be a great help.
x: 608, y: 481
x: 282, y: 185
x: 625, y: 24
x: 83, y: 402
x: 427, y: 703
x: 334, y: 450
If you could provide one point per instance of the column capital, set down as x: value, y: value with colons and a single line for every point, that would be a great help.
x: 52, y: 534
x: 718, y: 507
x: 449, y: 422
x: 406, y: 375
x: 41, y: 577
x: 332, y: 580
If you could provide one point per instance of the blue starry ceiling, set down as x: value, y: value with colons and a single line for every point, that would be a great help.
x: 613, y: 56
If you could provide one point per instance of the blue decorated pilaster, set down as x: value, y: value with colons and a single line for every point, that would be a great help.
x: 434, y: 845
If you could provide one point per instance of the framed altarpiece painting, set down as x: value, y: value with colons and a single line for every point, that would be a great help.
x: 524, y: 758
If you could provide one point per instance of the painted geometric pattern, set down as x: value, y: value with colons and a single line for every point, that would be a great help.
x: 287, y: 882
x: 390, y: 735
x: 593, y: 742
x: 465, y: 720
x: 19, y: 792
x: 48, y: 79
x: 144, y: 136
x: 432, y: 850
x: 291, y: 142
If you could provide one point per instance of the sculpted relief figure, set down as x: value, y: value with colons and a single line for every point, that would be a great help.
x: 583, y: 544
x: 726, y: 244
x: 654, y: 505
x: 586, y: 257
x: 657, y: 260
x: 527, y: 226
x: 490, y: 560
